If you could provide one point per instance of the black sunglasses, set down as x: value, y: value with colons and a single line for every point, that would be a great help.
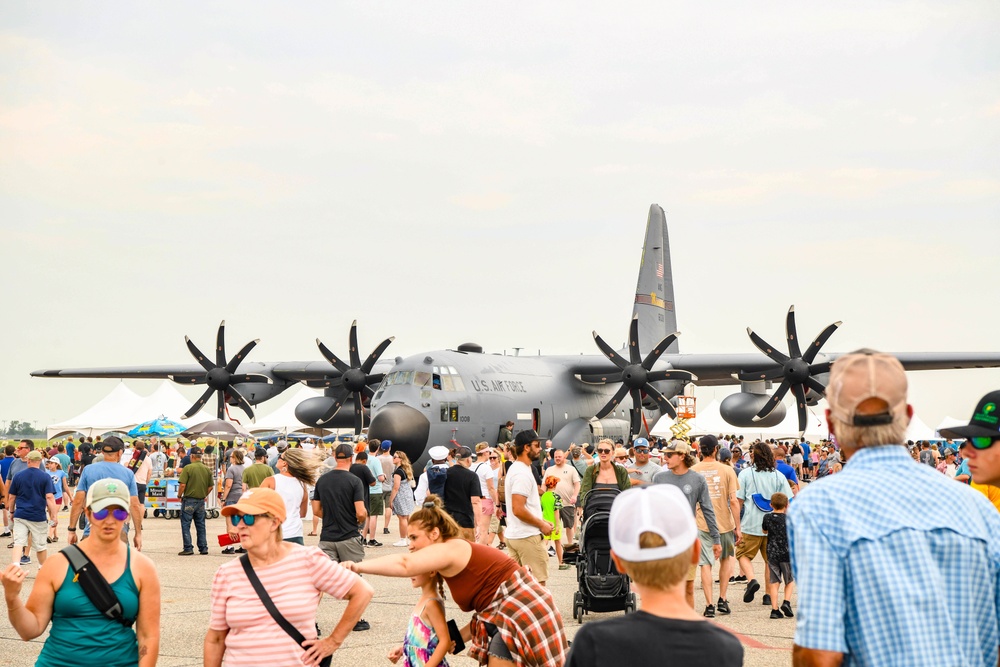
x: 604, y: 451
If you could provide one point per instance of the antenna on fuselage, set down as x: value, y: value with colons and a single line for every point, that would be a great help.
x: 517, y: 351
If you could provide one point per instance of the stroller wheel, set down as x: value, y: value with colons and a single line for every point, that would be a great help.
x: 630, y: 604
x: 578, y: 606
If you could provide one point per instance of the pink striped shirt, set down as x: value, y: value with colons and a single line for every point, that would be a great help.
x: 296, y: 584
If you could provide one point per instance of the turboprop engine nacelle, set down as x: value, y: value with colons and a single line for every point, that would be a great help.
x: 739, y: 410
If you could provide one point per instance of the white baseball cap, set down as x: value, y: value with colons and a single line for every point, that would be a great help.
x: 661, y: 509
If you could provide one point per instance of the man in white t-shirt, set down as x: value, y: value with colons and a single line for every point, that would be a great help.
x: 568, y: 489
x: 525, y: 525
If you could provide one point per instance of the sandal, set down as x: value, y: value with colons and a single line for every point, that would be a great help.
x: 502, y: 546
x: 312, y: 534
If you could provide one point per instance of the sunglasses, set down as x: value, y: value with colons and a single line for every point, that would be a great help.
x: 494, y: 458
x: 117, y: 512
x: 248, y: 519
x: 621, y: 458
x: 604, y: 451
x: 982, y: 442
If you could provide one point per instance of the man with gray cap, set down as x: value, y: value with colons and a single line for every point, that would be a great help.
x: 873, y: 566
x: 680, y: 459
x: 110, y: 466
x: 463, y: 494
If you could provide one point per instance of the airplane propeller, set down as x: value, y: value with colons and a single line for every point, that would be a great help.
x: 636, y: 376
x: 354, y: 378
x: 221, y: 376
x: 797, y: 369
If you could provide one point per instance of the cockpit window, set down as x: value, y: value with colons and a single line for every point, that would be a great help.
x: 445, y: 378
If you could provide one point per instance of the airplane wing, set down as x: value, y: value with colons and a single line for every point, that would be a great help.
x: 309, y: 372
x: 178, y: 371
x: 718, y: 369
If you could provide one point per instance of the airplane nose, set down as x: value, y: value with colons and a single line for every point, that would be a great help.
x: 406, y: 427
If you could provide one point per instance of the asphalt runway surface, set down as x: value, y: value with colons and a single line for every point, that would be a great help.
x: 187, y: 581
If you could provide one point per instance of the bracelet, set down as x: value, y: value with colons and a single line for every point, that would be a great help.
x: 71, y: 529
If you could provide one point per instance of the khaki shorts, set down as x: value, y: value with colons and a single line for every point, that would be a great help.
x: 532, y: 553
x: 39, y: 531
x: 692, y: 573
x: 352, y: 550
x: 750, y: 545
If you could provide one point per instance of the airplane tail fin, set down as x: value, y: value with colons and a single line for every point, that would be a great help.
x: 654, y: 291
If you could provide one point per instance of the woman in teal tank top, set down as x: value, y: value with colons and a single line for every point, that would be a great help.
x: 80, y: 633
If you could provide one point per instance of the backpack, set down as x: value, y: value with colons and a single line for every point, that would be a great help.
x: 436, y: 478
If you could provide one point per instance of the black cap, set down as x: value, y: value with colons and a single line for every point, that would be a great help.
x: 526, y: 437
x: 708, y: 444
x: 463, y: 452
x: 194, y: 450
x: 985, y: 420
x: 112, y: 444
x: 260, y: 453
x: 344, y: 451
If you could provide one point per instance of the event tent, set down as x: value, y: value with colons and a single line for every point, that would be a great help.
x: 106, y: 415
x: 918, y: 430
x: 122, y: 409
x: 709, y: 420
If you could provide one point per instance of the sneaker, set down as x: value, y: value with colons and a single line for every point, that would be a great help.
x: 202, y: 553
x: 722, y: 606
x: 766, y: 600
x: 385, y: 531
x: 564, y: 566
x: 401, y: 543
x: 776, y: 614
x: 709, y: 611
x: 786, y: 609
x: 186, y: 552
x: 229, y: 550
x: 5, y: 533
x: 752, y: 588
x: 240, y: 550
x: 374, y: 543
x: 49, y: 540
x: 740, y: 578
x: 362, y: 625
x: 552, y: 551
x: 25, y: 560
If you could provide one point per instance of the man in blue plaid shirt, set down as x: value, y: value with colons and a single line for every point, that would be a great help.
x: 889, y: 545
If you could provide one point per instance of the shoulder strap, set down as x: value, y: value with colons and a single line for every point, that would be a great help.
x: 289, y: 629
x: 95, y: 586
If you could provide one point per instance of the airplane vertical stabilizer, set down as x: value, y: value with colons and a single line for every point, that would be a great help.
x: 654, y: 291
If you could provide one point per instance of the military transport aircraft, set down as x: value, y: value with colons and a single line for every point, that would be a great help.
x: 466, y: 395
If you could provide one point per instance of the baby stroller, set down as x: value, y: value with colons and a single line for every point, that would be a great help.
x: 601, y: 587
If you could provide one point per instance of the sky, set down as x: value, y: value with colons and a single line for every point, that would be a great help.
x: 447, y: 172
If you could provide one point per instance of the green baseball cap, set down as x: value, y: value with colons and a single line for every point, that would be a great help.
x: 108, y: 492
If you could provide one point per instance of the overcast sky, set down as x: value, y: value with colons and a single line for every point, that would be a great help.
x: 451, y: 172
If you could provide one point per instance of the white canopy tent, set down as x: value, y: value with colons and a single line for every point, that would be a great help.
x: 106, y: 415
x: 709, y: 420
x: 918, y: 430
x: 950, y: 422
x: 282, y: 419
x: 122, y: 409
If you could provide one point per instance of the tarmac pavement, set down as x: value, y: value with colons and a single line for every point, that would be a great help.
x: 187, y: 580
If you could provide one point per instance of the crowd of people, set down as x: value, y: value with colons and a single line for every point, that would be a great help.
x: 876, y: 535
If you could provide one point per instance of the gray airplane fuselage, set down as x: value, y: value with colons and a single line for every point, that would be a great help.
x: 449, y: 395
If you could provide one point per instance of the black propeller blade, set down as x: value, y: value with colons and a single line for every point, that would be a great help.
x: 221, y: 375
x: 354, y: 378
x: 636, y: 377
x: 797, y: 372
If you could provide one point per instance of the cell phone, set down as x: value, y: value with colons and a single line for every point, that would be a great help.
x: 456, y: 637
x: 226, y: 539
